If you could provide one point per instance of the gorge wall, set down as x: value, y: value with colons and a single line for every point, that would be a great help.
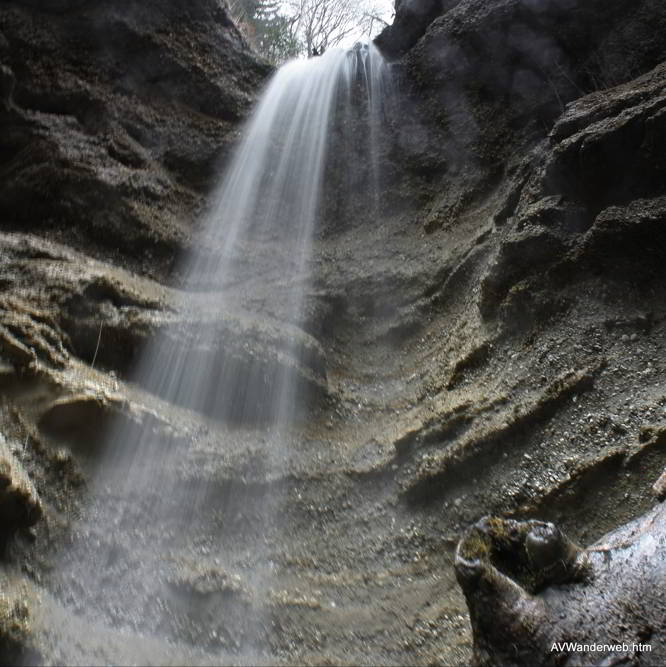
x: 491, y: 340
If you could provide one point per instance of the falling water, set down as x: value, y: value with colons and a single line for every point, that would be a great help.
x: 239, y: 365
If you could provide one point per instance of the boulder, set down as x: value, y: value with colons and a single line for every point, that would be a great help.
x: 20, y: 505
x: 535, y: 598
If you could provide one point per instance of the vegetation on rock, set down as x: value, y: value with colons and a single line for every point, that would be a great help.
x: 283, y: 29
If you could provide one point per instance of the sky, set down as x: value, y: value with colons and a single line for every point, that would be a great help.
x: 384, y: 10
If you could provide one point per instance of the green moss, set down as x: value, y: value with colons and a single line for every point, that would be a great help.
x: 476, y: 546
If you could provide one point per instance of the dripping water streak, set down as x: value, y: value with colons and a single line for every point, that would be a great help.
x: 161, y: 505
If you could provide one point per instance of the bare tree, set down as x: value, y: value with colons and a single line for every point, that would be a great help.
x: 321, y: 24
x: 241, y: 9
x: 373, y: 19
x: 281, y: 29
x: 266, y: 28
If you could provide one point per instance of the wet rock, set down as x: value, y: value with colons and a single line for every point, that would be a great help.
x: 412, y: 18
x: 7, y: 83
x: 659, y: 487
x: 15, y: 625
x: 610, y: 103
x: 204, y: 581
x: 604, y: 153
x: 14, y: 350
x: 592, y: 203
x: 528, y: 251
x: 94, y: 147
x: 74, y: 412
x: 638, y: 229
x: 72, y: 306
x: 266, y: 356
x: 112, y: 156
x: 28, y: 335
x: 469, y: 438
x: 108, y: 317
x: 19, y: 503
x: 527, y: 581
x: 535, y: 56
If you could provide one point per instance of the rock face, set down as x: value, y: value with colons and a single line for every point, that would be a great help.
x: 19, y: 502
x: 594, y: 201
x: 526, y: 581
x: 412, y: 18
x: 115, y: 118
x: 488, y: 339
x: 490, y: 78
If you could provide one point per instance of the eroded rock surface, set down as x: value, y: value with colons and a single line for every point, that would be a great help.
x: 533, y: 595
x: 19, y: 502
x: 116, y: 117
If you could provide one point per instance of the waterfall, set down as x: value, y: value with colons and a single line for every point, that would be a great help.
x: 162, y: 536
